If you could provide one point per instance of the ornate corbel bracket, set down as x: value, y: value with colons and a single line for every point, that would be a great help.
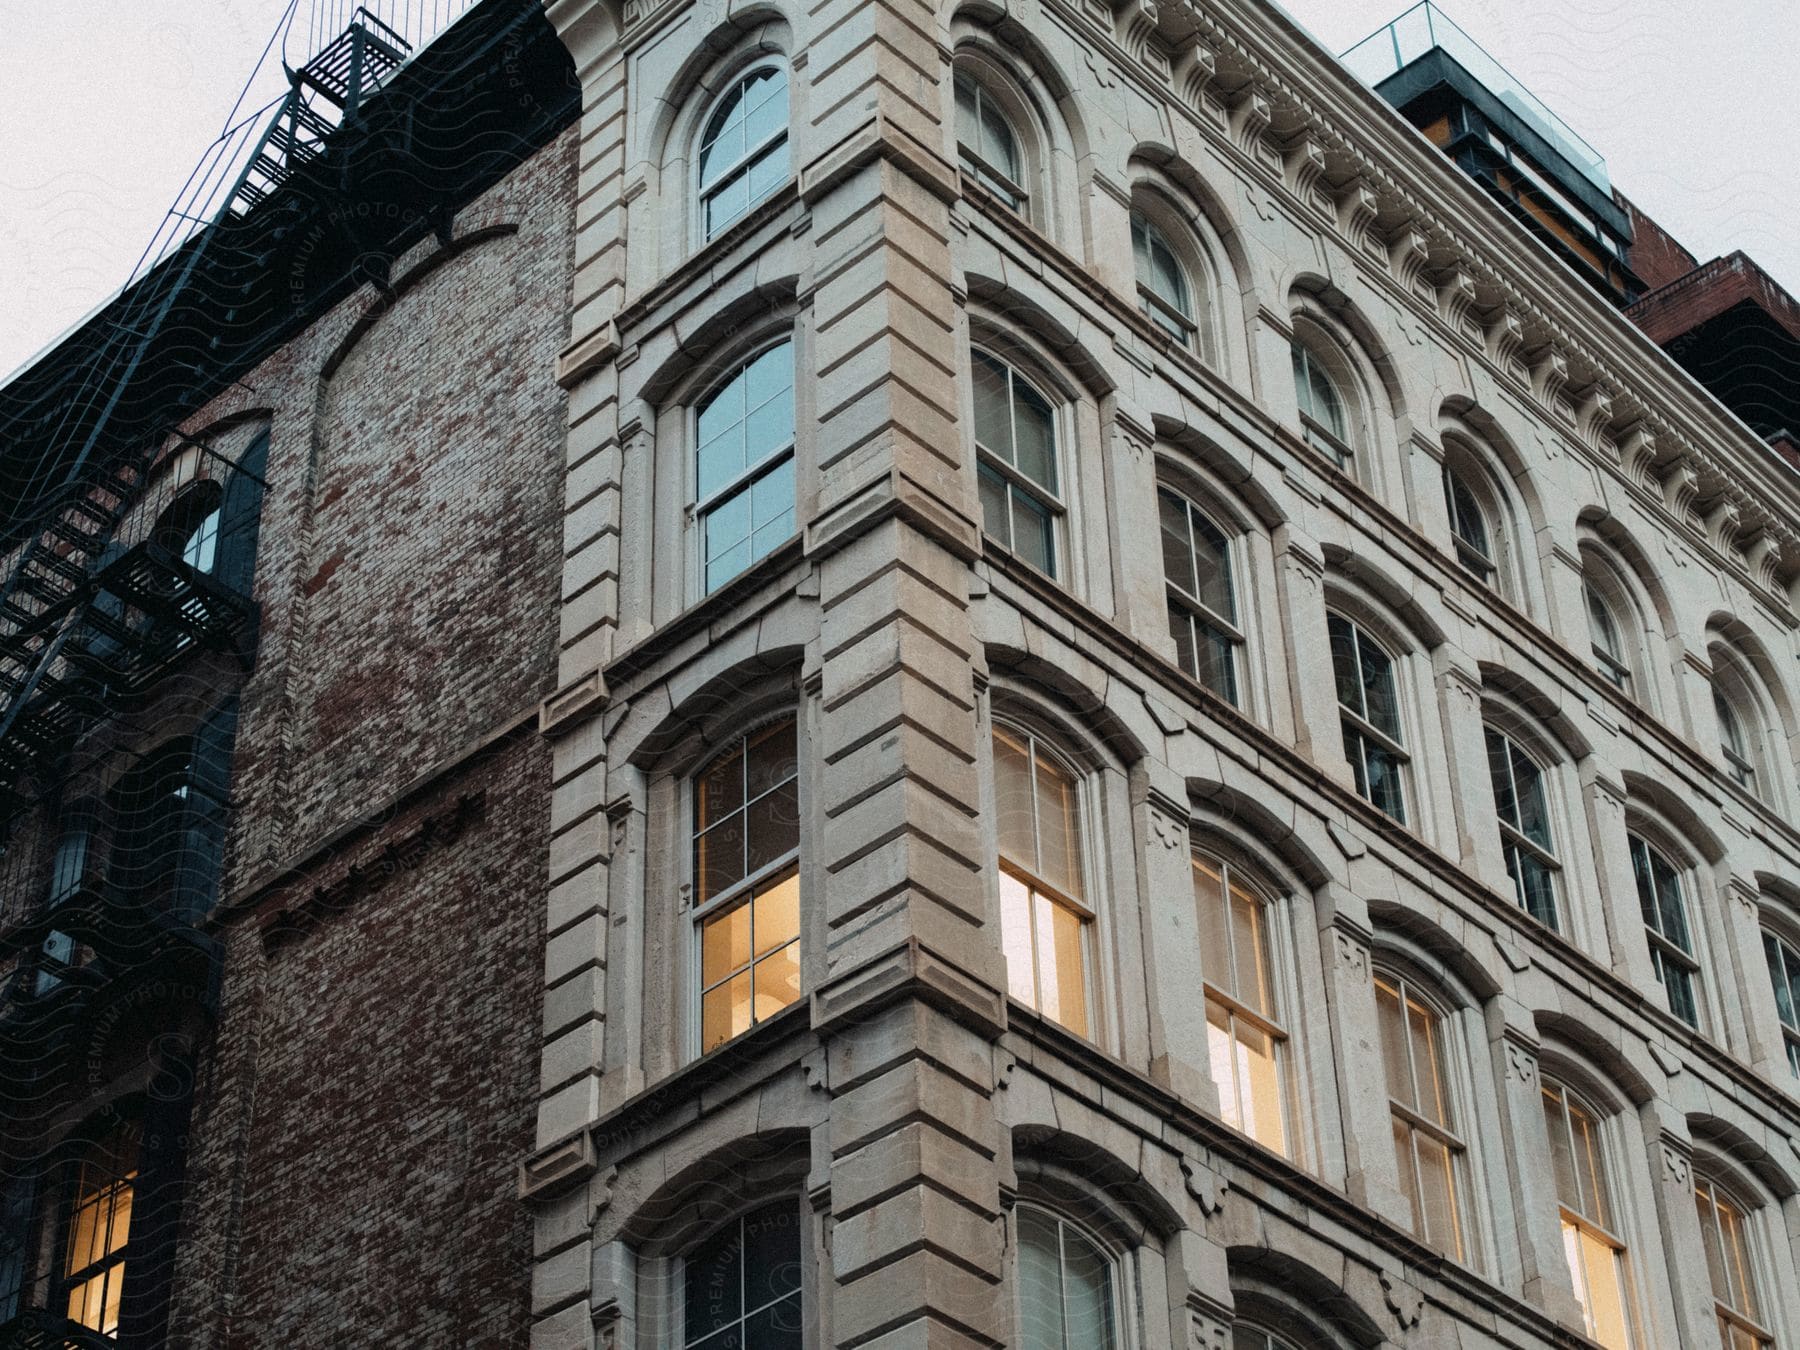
x: 1456, y: 297
x: 1409, y: 253
x: 1305, y: 163
x: 1506, y: 344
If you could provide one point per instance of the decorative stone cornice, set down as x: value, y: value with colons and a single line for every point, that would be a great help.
x: 1305, y: 163
x: 1506, y: 343
x: 1457, y: 297
x: 1409, y: 253
x: 1389, y: 174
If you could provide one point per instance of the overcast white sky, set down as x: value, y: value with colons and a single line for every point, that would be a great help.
x: 105, y: 105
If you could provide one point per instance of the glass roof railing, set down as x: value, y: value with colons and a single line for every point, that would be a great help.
x: 1423, y: 28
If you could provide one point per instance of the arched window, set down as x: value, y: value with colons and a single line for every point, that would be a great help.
x: 1612, y: 625
x: 1428, y: 1146
x: 1525, y: 835
x: 189, y: 529
x: 1732, y: 1260
x: 1323, y: 415
x: 96, y: 1236
x: 1475, y: 538
x: 747, y: 882
x: 744, y: 464
x: 1590, y: 1222
x: 1163, y: 290
x: 1664, y: 906
x: 987, y: 144
x: 741, y: 1286
x: 1247, y: 1039
x: 1734, y: 745
x: 1044, y: 919
x: 743, y: 154
x: 1201, y: 599
x: 1783, y: 958
x: 1067, y: 1299
x: 1015, y: 443
x: 1369, y: 703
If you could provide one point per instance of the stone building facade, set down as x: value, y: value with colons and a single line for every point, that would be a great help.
x: 971, y: 674
x: 1251, y: 801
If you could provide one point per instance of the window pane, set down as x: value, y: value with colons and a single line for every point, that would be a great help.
x: 771, y: 756
x: 1250, y: 949
x: 766, y: 100
x: 1212, y: 555
x: 1437, y: 1193
x: 773, y: 825
x: 1061, y: 966
x: 1422, y: 1026
x: 1380, y: 698
x: 725, y: 1012
x: 996, y: 519
x: 1034, y: 537
x: 1183, y: 629
x: 778, y: 915
x: 1035, y: 435
x: 1178, y: 557
x: 1215, y: 936
x: 1014, y: 801
x: 1393, y: 1042
x: 1680, y: 984
x: 1015, y: 938
x: 1214, y: 661
x: 1535, y: 883
x: 1343, y: 663
x: 1087, y: 1288
x: 1562, y: 1160
x: 1408, y: 1168
x: 772, y: 509
x: 771, y: 1255
x: 724, y: 945
x: 1259, y: 1086
x: 777, y: 981
x: 713, y: 1283
x: 1385, y: 790
x: 1059, y: 829
x: 993, y: 408
x: 1040, y: 1280
x: 1221, y: 1053
x: 719, y: 859
x: 1785, y: 987
x: 1466, y: 515
x: 719, y: 790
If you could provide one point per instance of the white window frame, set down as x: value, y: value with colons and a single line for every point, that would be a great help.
x: 1663, y: 948
x: 747, y: 890
x: 1054, y: 501
x: 1196, y: 611
x: 1616, y: 1198
x: 1357, y: 721
x: 695, y: 509
x: 1118, y: 1277
x: 1756, y: 1258
x: 741, y: 166
x: 1515, y: 840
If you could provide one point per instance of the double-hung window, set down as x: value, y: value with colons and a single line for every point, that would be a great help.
x: 1066, y: 1296
x: 747, y: 882
x: 1605, y: 637
x: 1044, y: 916
x: 1733, y: 744
x: 97, y: 1234
x: 741, y: 1287
x: 1525, y: 837
x: 1428, y: 1149
x: 1201, y: 600
x: 744, y: 465
x: 1015, y: 443
x: 1731, y: 1262
x: 744, y: 149
x: 1163, y: 292
x: 1469, y: 525
x: 1784, y: 974
x: 1247, y: 1043
x: 1664, y: 908
x: 1322, y: 414
x: 1596, y: 1255
x: 1369, y: 703
x: 987, y: 145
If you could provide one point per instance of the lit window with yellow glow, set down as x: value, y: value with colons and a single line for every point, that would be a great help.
x: 1731, y: 1262
x: 99, y: 1229
x: 1595, y: 1253
x: 1430, y: 1154
x: 1044, y: 918
x: 1246, y: 1042
x: 747, y: 883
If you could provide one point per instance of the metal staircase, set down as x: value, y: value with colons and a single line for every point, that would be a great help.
x: 59, y: 666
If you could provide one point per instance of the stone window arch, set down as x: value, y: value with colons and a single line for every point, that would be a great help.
x: 1177, y: 277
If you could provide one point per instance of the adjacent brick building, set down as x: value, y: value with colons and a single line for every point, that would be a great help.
x: 965, y: 675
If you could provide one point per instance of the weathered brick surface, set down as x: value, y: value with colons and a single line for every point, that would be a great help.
x: 358, y: 1128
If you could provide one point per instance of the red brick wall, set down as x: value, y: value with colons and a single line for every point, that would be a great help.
x: 1656, y: 256
x: 370, y: 1093
x: 370, y: 1082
